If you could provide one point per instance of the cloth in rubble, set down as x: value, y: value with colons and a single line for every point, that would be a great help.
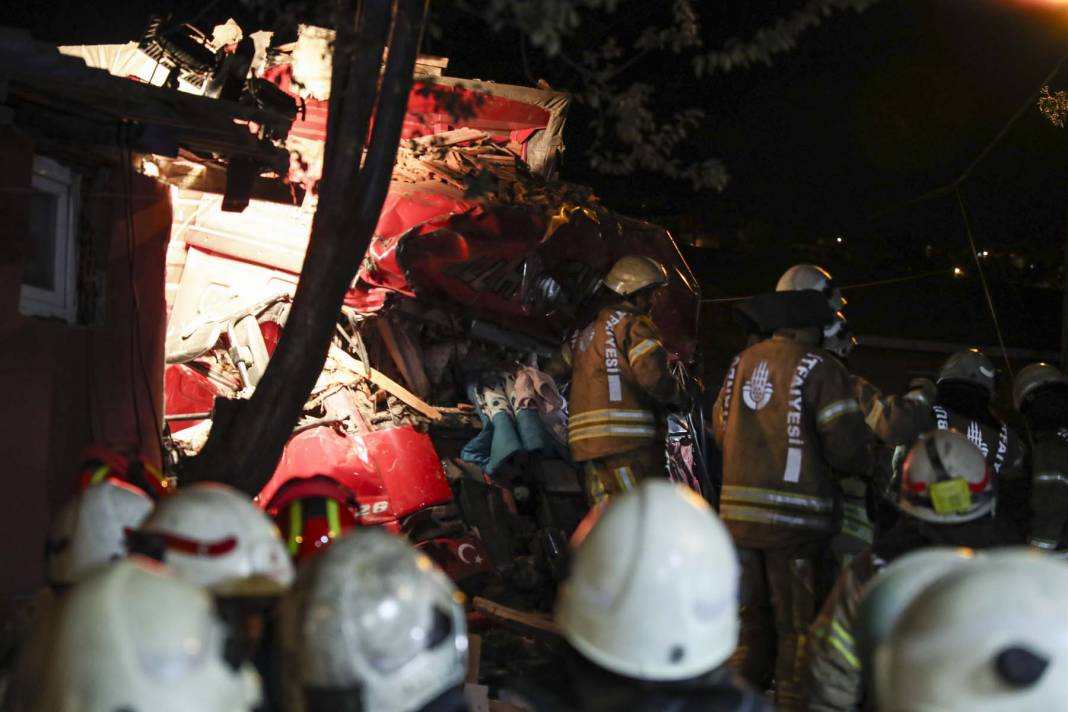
x: 681, y: 467
x: 535, y: 391
x: 512, y: 421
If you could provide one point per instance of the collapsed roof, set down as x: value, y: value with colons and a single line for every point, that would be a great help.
x: 69, y: 106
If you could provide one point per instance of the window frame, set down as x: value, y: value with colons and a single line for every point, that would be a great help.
x: 61, y: 302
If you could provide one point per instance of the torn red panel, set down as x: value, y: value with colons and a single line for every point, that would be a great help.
x: 497, y: 261
x: 393, y: 472
x: 427, y: 112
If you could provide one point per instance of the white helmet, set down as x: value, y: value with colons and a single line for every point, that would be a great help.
x: 838, y: 337
x: 633, y: 273
x: 90, y: 529
x: 888, y: 595
x: 372, y: 620
x: 806, y: 276
x: 133, y: 637
x: 214, y: 536
x: 653, y: 587
x: 946, y: 480
x: 986, y: 637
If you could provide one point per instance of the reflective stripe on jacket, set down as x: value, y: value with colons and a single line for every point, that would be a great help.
x: 1049, y: 490
x: 785, y: 418
x: 620, y: 381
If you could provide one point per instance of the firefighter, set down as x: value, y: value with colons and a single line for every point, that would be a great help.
x: 87, y: 533
x: 857, y: 528
x: 1040, y: 394
x: 214, y: 536
x: 123, y: 464
x: 947, y: 496
x: 311, y: 513
x: 964, y: 389
x: 788, y: 424
x: 896, y: 586
x: 649, y: 610
x: 991, y: 636
x: 621, y: 385
x: 133, y: 637
x: 371, y: 625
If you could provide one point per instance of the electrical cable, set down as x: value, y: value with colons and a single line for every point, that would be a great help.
x: 860, y: 285
x: 967, y: 172
x: 982, y: 279
x: 130, y: 270
x: 126, y: 156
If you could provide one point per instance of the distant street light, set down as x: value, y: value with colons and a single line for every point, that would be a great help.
x: 958, y: 272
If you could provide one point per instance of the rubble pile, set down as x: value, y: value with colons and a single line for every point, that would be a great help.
x: 475, y: 164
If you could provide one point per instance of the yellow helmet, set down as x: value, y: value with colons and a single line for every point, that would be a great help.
x: 633, y: 273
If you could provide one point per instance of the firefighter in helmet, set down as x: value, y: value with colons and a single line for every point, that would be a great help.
x: 789, y: 426
x: 1040, y: 394
x: 960, y: 400
x: 645, y: 630
x: 991, y: 636
x: 87, y: 534
x: 132, y: 636
x: 212, y: 535
x: 947, y: 497
x: 622, y: 384
x: 372, y: 625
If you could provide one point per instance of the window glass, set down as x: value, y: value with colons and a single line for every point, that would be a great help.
x: 40, y: 266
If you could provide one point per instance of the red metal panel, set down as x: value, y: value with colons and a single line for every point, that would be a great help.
x: 393, y: 472
x: 426, y: 113
x: 186, y: 391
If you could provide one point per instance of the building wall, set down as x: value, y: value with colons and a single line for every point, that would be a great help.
x: 68, y: 386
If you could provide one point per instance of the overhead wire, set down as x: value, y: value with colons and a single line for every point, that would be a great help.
x: 954, y: 187
x: 860, y: 285
x: 982, y: 279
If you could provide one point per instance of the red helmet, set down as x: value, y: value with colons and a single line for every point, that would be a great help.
x: 311, y: 513
x: 105, y: 463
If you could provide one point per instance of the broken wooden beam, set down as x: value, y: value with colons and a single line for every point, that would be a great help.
x: 535, y: 623
x: 385, y: 383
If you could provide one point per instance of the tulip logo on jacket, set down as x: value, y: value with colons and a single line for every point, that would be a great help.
x: 756, y: 392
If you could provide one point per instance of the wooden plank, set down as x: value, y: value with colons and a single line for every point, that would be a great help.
x: 404, y: 355
x: 385, y: 383
x: 474, y: 658
x: 536, y: 622
x: 498, y: 706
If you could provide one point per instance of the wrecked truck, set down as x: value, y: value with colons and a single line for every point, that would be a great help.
x: 432, y: 416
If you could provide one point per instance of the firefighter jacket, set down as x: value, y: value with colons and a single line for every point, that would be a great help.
x: 620, y: 384
x: 785, y: 419
x: 901, y: 421
x: 835, y: 676
x: 892, y: 419
x: 1049, y: 489
x: 904, y: 420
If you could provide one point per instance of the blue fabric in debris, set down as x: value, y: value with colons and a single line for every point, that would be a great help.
x: 506, y: 442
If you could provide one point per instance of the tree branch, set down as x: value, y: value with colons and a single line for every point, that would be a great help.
x: 245, y: 450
